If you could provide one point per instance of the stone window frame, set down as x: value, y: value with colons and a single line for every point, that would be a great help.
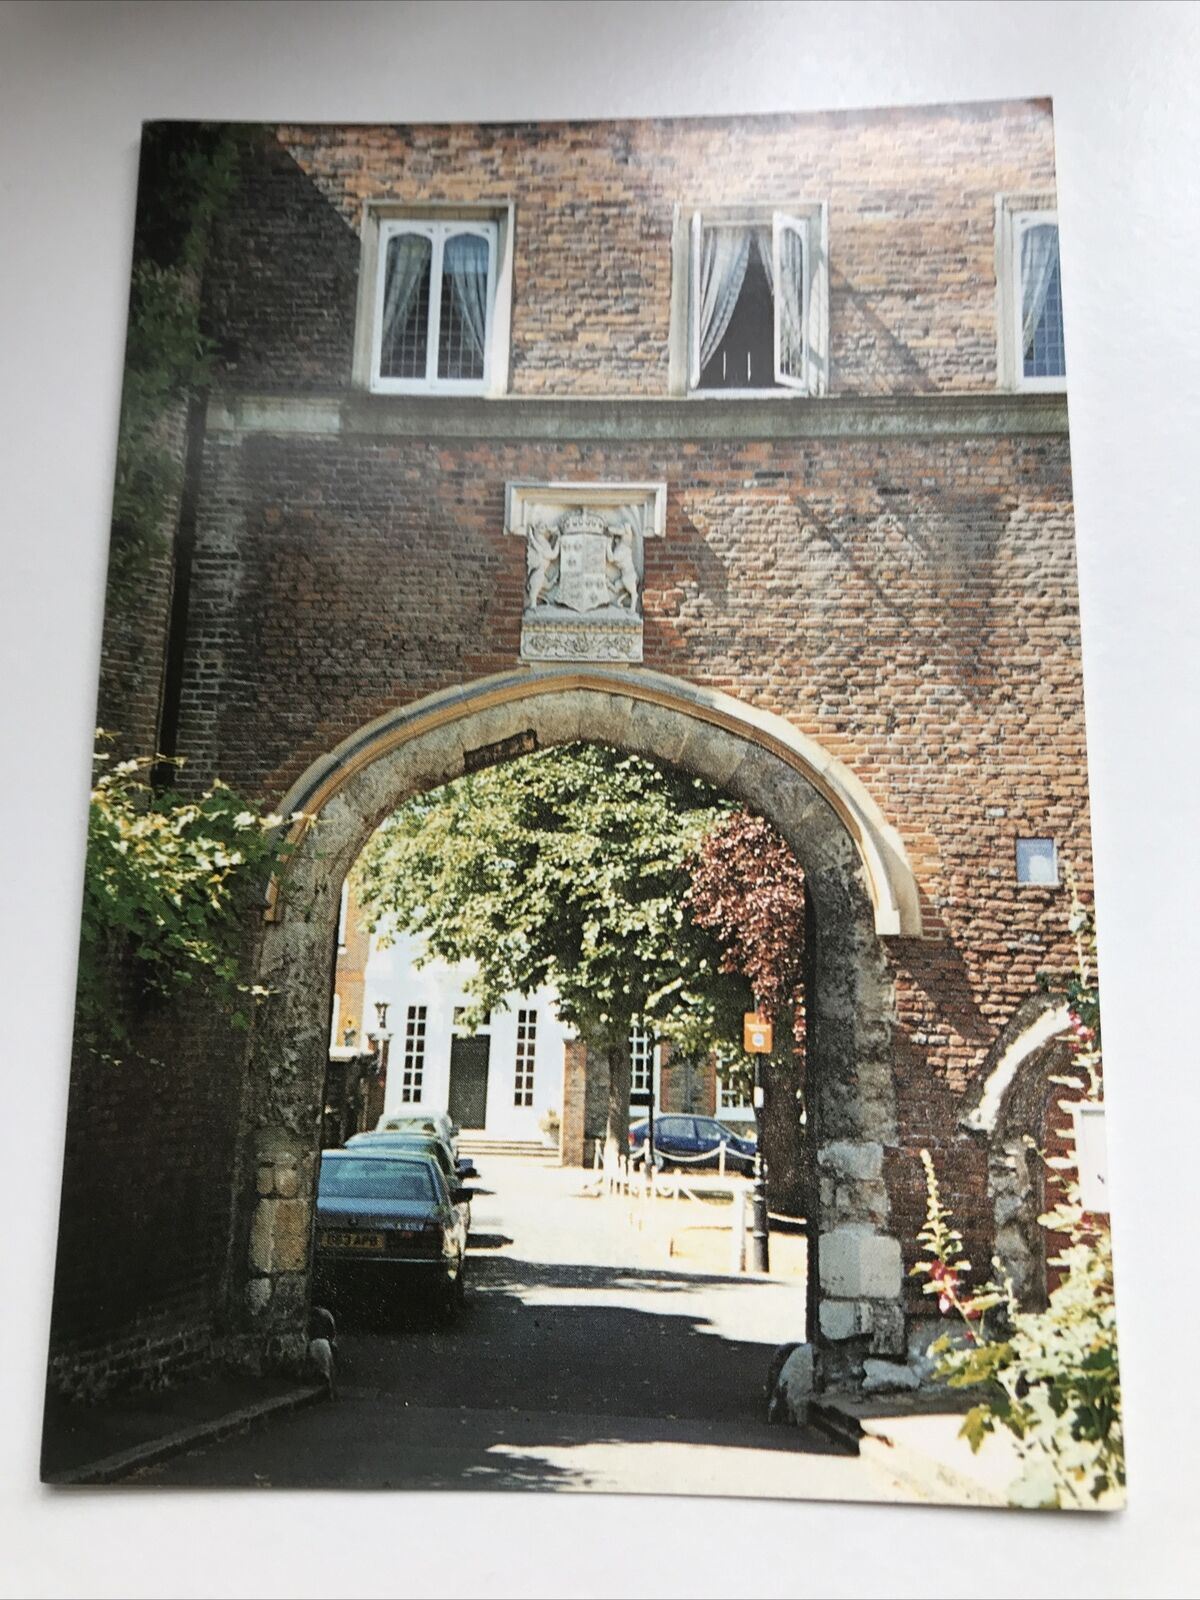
x: 1010, y: 365
x: 501, y: 214
x: 754, y: 214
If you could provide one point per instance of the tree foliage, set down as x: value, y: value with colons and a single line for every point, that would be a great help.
x: 747, y: 888
x: 166, y: 883
x: 565, y: 868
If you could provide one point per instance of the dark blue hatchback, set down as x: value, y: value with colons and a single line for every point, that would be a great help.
x: 693, y: 1142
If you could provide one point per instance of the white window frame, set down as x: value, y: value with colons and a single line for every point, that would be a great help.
x: 525, y: 1063
x: 727, y: 1106
x: 655, y: 1056
x: 810, y: 219
x: 437, y: 233
x: 414, y: 1054
x: 1014, y: 214
x: 381, y: 220
x: 1036, y: 883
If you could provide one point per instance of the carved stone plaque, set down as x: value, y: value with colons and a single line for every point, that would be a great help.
x: 583, y: 566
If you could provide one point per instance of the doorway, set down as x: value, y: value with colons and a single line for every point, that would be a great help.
x: 469, y: 1081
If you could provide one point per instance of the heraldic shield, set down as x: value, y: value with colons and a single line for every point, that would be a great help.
x: 583, y: 558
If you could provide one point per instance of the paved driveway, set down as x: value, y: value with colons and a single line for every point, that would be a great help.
x: 584, y: 1360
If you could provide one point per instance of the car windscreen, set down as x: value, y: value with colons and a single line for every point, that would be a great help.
x: 407, y: 1141
x: 408, y: 1125
x: 375, y: 1178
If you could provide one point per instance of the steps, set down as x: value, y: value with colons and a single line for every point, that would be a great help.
x: 480, y: 1146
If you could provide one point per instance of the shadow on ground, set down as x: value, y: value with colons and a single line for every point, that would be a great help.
x: 555, y: 1376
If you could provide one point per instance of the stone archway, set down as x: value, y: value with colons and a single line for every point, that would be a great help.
x: 1009, y: 1102
x: 860, y: 889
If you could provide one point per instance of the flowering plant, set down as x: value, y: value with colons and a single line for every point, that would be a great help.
x: 1052, y: 1377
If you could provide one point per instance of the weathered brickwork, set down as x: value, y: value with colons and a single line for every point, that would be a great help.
x: 137, y: 623
x: 148, y: 1185
x: 908, y: 601
x: 911, y: 225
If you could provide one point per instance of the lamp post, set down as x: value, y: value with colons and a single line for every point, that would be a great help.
x: 757, y: 1039
x: 384, y: 1034
x: 760, y: 1223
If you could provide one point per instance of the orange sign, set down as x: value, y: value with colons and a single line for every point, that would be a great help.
x: 756, y: 1034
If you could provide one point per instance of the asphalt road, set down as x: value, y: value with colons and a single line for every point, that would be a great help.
x: 583, y: 1360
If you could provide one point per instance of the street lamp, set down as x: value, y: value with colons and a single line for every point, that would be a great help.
x: 760, y: 1224
x: 757, y: 1040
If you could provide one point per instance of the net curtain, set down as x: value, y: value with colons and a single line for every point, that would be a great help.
x: 408, y: 261
x: 1039, y: 257
x: 724, y: 257
x: 464, y: 266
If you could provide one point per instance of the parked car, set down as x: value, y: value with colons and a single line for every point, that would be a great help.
x: 429, y: 1144
x: 693, y: 1142
x: 386, y: 1215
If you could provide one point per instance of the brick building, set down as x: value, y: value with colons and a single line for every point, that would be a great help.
x: 740, y: 443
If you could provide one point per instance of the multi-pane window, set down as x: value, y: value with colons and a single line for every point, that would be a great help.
x: 750, y: 296
x: 412, y: 1076
x: 434, y: 301
x: 730, y: 1100
x: 1041, y: 352
x: 526, y: 1051
x: 641, y: 1059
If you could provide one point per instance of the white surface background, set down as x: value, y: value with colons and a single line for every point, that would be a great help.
x: 75, y: 81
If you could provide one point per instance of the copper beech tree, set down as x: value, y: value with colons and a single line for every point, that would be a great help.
x: 747, y: 890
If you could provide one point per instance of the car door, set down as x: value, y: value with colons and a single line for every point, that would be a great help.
x: 671, y: 1136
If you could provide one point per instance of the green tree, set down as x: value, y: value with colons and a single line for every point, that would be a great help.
x: 566, y: 868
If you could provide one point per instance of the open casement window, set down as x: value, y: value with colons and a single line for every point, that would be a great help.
x: 750, y: 304
x: 434, y: 302
x: 1040, y: 355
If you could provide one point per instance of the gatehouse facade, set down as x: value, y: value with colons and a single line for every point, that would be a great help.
x: 741, y: 445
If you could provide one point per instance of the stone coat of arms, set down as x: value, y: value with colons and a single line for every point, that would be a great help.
x: 583, y: 567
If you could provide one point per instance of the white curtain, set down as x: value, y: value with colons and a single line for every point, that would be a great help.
x: 465, y: 264
x: 1039, y: 256
x: 789, y: 296
x: 407, y: 264
x: 724, y: 254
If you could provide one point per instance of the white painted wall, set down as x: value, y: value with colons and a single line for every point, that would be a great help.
x: 393, y: 976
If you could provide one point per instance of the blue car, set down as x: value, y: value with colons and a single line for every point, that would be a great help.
x: 695, y: 1142
x: 388, y: 1217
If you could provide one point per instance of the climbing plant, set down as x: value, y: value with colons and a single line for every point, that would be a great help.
x: 167, y: 881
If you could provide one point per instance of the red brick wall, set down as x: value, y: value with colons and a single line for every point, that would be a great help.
x: 911, y: 217
x: 910, y: 603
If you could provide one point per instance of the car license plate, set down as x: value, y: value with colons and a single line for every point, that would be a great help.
x: 338, y: 1239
